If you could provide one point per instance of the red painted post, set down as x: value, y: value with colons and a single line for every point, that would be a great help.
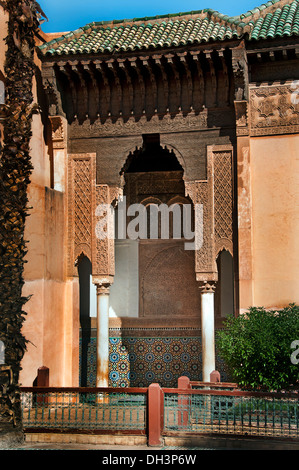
x: 155, y: 414
x: 43, y: 377
x: 215, y: 376
x: 183, y: 402
x: 42, y: 381
x: 184, y: 382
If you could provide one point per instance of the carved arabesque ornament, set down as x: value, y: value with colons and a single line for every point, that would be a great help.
x: 84, y: 196
x: 273, y: 110
x: 223, y: 201
x: 81, y: 204
x: 216, y: 195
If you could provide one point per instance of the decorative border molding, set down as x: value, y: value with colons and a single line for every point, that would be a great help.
x: 132, y: 126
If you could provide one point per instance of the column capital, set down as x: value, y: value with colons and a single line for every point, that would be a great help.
x: 103, y: 289
x: 207, y: 287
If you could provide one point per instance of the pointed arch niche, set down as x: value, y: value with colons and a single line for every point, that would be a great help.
x: 154, y: 277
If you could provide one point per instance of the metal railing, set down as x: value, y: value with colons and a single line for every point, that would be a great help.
x: 231, y: 412
x: 84, y: 409
x: 206, y: 409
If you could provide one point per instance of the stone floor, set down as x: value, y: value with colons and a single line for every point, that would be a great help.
x: 175, y: 445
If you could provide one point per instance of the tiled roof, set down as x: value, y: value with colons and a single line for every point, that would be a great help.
x: 276, y: 18
x: 282, y: 22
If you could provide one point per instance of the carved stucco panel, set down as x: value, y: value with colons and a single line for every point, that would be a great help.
x: 103, y: 248
x: 58, y: 132
x: 223, y: 201
x: 273, y: 110
x: 84, y: 196
x: 216, y: 195
x: 80, y: 201
x: 201, y: 193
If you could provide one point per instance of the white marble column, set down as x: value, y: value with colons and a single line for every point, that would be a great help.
x: 207, y: 329
x: 102, y: 335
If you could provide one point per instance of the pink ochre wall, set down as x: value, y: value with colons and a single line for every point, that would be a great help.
x: 274, y: 165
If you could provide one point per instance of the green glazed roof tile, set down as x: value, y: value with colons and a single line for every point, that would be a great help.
x: 280, y: 23
x: 275, y: 18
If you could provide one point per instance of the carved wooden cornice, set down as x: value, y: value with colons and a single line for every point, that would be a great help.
x: 140, y: 84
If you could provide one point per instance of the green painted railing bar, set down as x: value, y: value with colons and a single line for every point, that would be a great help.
x: 76, y: 410
x: 208, y: 413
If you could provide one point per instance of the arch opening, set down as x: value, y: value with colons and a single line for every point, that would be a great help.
x: 224, y: 296
x: 87, y: 310
x: 154, y: 180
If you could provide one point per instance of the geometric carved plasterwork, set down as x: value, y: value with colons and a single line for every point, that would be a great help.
x: 223, y: 201
x: 84, y: 196
x: 273, y: 110
x: 81, y: 205
x: 216, y: 196
x: 201, y: 192
x: 103, y: 265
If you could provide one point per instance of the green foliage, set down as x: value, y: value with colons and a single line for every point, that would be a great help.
x: 256, y: 347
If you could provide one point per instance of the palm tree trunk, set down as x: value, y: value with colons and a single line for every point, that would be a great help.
x: 15, y: 171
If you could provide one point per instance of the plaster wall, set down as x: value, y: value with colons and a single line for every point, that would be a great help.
x: 45, y: 283
x: 275, y: 220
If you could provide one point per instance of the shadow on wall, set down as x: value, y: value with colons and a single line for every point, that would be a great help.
x: 84, y: 271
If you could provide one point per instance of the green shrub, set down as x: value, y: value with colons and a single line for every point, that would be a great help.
x: 256, y: 347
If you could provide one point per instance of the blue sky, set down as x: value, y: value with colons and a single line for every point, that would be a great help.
x: 67, y: 15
